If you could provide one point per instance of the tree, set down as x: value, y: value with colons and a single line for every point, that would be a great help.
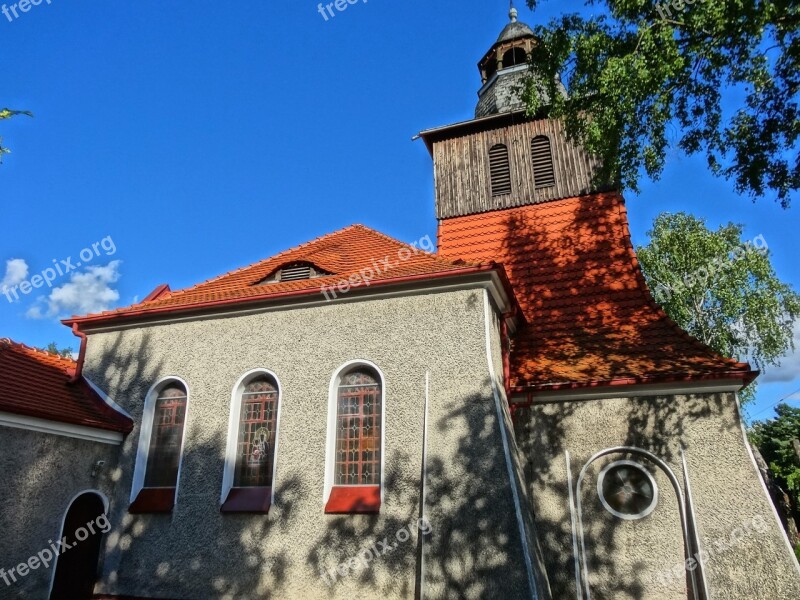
x: 777, y: 441
x: 721, y: 289
x: 723, y: 75
x: 53, y: 348
x: 7, y: 113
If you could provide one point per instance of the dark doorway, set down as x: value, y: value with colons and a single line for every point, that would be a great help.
x: 76, y: 569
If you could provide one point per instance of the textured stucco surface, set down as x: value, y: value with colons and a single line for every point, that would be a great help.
x: 747, y: 555
x: 40, y: 474
x: 196, y: 552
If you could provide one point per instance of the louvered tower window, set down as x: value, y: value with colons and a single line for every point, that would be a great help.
x: 499, y: 170
x: 543, y: 172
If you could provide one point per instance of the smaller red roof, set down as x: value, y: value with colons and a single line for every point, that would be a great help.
x: 35, y: 383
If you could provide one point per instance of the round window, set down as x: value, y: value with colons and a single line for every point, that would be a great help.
x: 627, y: 490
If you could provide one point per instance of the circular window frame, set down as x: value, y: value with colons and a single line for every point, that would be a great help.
x: 629, y: 463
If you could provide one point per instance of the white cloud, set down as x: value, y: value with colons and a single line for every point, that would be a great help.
x: 89, y: 291
x: 16, y: 273
x: 789, y: 370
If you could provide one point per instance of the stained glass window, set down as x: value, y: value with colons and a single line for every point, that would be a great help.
x: 164, y: 455
x: 255, y: 455
x: 358, y: 429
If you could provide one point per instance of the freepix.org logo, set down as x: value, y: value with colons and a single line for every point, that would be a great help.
x: 46, y: 556
x: 59, y: 269
x: 22, y: 6
x: 326, y: 10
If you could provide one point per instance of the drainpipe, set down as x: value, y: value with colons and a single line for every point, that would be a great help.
x: 420, y: 575
x: 506, y: 354
x: 81, y: 354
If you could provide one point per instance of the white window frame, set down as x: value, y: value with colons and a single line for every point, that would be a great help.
x: 143, y: 449
x: 330, y: 446
x: 233, y: 430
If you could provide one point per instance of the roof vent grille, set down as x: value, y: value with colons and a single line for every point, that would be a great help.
x: 294, y: 272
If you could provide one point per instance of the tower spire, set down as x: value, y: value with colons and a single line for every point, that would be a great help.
x: 512, y: 12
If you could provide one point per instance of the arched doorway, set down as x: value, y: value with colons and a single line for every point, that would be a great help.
x: 76, y: 567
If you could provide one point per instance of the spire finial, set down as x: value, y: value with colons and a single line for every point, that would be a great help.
x: 512, y: 12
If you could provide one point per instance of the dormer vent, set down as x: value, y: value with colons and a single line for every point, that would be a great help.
x: 294, y: 272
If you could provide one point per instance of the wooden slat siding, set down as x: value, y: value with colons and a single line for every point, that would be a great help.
x: 462, y: 177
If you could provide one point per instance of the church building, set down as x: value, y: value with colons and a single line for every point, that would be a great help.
x: 506, y: 413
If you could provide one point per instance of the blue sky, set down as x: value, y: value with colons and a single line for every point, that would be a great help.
x: 198, y: 137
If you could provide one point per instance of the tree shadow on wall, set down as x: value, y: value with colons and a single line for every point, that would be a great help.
x: 199, y: 550
x: 472, y: 548
x: 590, y: 318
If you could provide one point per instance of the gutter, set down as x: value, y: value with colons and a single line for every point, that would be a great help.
x: 744, y: 376
x: 144, y: 313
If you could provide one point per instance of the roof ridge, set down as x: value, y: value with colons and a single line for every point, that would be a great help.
x: 263, y: 260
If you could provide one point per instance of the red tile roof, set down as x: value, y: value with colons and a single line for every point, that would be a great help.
x: 342, y: 253
x: 591, y: 319
x: 36, y: 383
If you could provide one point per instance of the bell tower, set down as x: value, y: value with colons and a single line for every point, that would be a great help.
x: 512, y: 188
x: 605, y: 391
x: 503, y: 68
x: 504, y: 158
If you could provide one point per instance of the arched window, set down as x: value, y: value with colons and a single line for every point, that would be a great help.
x: 160, y: 448
x: 514, y: 57
x: 358, y: 429
x: 253, y: 436
x: 166, y: 438
x: 255, y: 456
x: 357, y: 459
x: 499, y: 170
x: 543, y: 171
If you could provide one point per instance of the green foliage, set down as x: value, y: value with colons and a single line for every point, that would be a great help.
x: 721, y: 289
x: 53, y: 348
x: 774, y: 439
x: 7, y: 113
x: 636, y: 80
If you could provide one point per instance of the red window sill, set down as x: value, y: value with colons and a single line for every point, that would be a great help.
x: 153, y: 500
x: 346, y: 499
x: 248, y: 500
